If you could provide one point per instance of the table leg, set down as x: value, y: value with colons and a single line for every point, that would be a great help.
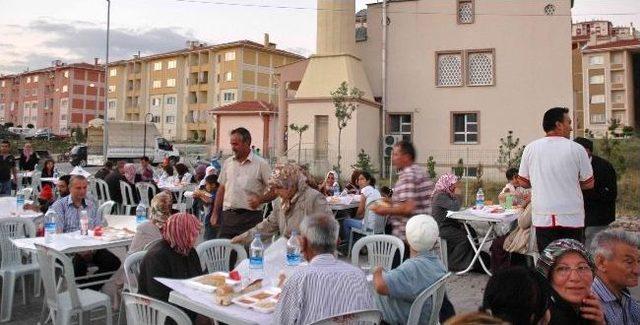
x: 477, y: 249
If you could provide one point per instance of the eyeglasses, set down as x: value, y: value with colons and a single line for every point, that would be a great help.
x: 564, y: 271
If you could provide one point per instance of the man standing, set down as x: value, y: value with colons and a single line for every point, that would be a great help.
x: 243, y: 188
x: 556, y: 169
x: 600, y: 201
x: 617, y: 260
x: 7, y: 169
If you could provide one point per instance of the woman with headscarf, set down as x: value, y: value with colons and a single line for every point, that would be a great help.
x: 146, y: 232
x: 329, y: 183
x: 295, y: 200
x: 172, y: 257
x: 569, y: 269
x: 129, y: 173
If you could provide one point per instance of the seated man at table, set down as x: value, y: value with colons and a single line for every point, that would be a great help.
x: 68, y: 209
x: 397, y: 289
x: 327, y: 286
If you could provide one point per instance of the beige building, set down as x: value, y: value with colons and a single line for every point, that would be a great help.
x: 175, y: 90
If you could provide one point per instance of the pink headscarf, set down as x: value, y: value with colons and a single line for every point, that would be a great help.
x: 181, y: 231
x: 446, y: 184
x: 130, y: 173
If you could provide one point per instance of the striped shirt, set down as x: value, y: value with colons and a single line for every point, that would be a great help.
x: 623, y: 311
x: 413, y: 184
x: 326, y: 287
x: 69, y: 215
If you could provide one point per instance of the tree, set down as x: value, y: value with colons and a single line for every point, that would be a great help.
x: 509, y: 151
x: 611, y: 150
x: 458, y: 170
x: 345, y: 101
x: 431, y: 167
x: 299, y: 130
x: 364, y: 163
x: 78, y: 134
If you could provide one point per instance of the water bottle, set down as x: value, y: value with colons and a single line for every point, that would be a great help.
x: 293, y: 249
x: 336, y: 189
x: 256, y: 258
x: 50, y: 226
x: 141, y: 213
x: 84, y: 223
x: 480, y: 199
x: 20, y: 200
x: 56, y: 175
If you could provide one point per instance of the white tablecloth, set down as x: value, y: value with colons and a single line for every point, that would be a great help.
x: 122, y: 222
x: 49, y: 179
x: 9, y: 208
x: 484, y: 215
x: 70, y: 243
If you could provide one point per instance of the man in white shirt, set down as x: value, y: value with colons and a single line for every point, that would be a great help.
x: 556, y: 169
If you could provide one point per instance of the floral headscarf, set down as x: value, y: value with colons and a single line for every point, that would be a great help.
x: 161, y: 208
x: 181, y: 231
x: 130, y: 173
x: 288, y: 176
x: 555, y: 250
x: 446, y: 184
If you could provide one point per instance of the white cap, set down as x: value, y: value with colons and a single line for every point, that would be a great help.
x: 79, y: 171
x: 422, y: 232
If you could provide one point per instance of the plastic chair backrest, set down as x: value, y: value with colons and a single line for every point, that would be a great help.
x: 127, y: 193
x: 215, y: 254
x: 151, y: 243
x: 105, y: 209
x: 380, y: 250
x: 436, y: 290
x: 13, y: 228
x: 50, y: 260
x: 27, y: 191
x: 132, y: 270
x: 146, y: 192
x: 372, y: 316
x: 36, y: 184
x: 443, y: 253
x: 102, y: 190
x: 143, y: 310
x: 381, y: 221
x: 93, y: 189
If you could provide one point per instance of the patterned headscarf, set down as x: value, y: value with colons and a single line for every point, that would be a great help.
x: 161, y: 208
x: 130, y: 173
x: 446, y: 184
x: 181, y: 231
x: 288, y: 176
x: 555, y: 250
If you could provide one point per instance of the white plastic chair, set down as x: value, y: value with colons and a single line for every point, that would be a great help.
x: 102, y: 191
x: 11, y: 267
x: 444, y: 254
x: 378, y: 228
x: 184, y: 203
x: 436, y: 292
x: 380, y: 250
x: 36, y: 184
x: 143, y: 310
x: 128, y: 202
x: 151, y: 243
x: 131, y: 271
x: 64, y: 304
x: 372, y: 316
x: 105, y: 209
x: 215, y: 254
x: 146, y: 191
x: 28, y: 192
x: 93, y: 188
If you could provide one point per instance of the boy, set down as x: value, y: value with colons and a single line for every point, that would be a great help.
x: 206, y: 196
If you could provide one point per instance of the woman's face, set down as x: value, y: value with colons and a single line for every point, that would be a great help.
x: 457, y: 188
x: 331, y: 179
x: 49, y: 165
x: 572, y: 277
x: 362, y: 182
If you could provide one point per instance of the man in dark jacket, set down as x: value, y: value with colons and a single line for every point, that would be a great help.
x: 113, y: 182
x: 599, y: 202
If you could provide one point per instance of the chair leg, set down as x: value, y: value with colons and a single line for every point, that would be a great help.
x: 23, y: 282
x: 109, y: 314
x: 120, y: 311
x: 350, y: 244
x: 8, y: 288
x: 37, y: 281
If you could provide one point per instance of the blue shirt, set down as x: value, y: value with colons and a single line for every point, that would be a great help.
x: 623, y: 311
x: 405, y: 283
x: 69, y: 215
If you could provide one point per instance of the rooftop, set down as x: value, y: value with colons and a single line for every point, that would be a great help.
x: 245, y: 107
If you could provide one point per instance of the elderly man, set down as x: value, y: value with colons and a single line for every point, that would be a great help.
x: 327, y: 286
x: 69, y: 209
x: 397, y: 289
x: 617, y: 260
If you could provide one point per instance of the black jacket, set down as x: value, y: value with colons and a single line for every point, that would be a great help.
x: 600, y: 202
x: 563, y: 313
x: 30, y: 163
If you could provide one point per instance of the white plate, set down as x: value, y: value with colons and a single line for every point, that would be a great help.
x: 193, y: 282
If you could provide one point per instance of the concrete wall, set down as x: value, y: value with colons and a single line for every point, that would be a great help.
x: 253, y: 123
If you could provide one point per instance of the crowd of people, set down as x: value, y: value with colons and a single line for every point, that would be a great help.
x: 564, y: 195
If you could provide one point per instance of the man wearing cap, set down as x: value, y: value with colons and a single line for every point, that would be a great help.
x: 397, y: 289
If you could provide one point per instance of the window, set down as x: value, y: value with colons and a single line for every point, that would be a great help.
x: 596, y: 80
x: 28, y: 80
x: 155, y: 101
x: 64, y: 103
x: 171, y: 100
x: 157, y: 66
x: 400, y: 124
x: 35, y: 78
x: 228, y: 76
x: 171, y: 64
x: 155, y: 119
x: 596, y: 59
x: 171, y: 82
x: 598, y: 118
x: 66, y: 74
x: 170, y: 119
x: 230, y: 56
x: 466, y: 13
x: 229, y: 96
x: 465, y: 128
x: 466, y: 171
x: 112, y: 88
x: 63, y: 117
x: 2, y: 83
x: 112, y: 104
x: 158, y: 83
x: 549, y: 10
x: 449, y: 69
x: 65, y: 88
x: 597, y: 99
x: 113, y: 72
x: 480, y: 68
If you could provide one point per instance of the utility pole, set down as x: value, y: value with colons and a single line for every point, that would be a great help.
x: 105, y: 128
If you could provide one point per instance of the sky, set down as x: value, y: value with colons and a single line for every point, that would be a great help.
x: 33, y: 33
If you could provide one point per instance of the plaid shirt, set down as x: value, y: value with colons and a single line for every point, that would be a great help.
x: 69, y: 216
x: 413, y: 184
x: 623, y: 311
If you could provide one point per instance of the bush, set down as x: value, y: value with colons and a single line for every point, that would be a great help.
x: 364, y: 163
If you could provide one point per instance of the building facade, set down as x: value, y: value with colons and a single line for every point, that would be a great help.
x: 57, y: 98
x: 175, y: 90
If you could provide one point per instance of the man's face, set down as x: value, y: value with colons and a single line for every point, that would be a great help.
x: 63, y: 188
x: 4, y: 148
x: 144, y: 163
x: 78, y: 189
x: 400, y: 159
x: 238, y: 147
x: 564, y: 128
x: 623, y: 269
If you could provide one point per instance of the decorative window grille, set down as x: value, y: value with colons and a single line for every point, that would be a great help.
x: 449, y: 69
x: 549, y: 10
x: 480, y: 68
x: 465, y: 12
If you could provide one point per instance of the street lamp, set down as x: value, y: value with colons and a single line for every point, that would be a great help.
x: 146, y: 119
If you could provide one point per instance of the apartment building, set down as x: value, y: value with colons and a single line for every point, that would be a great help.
x: 175, y: 90
x: 604, y: 64
x: 59, y: 97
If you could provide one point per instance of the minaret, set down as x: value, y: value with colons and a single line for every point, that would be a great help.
x: 335, y: 27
